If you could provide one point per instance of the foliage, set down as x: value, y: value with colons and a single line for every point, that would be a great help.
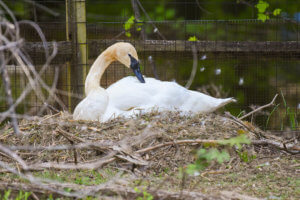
x: 21, y: 196
x: 236, y: 141
x: 289, y: 115
x: 146, y: 195
x: 127, y: 26
x: 193, y: 38
x: 130, y: 23
x: 263, y: 14
x: 205, y: 157
x: 245, y: 157
x: 271, y: 113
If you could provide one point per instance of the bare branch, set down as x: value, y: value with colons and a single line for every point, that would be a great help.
x: 194, y: 70
x: 260, y: 108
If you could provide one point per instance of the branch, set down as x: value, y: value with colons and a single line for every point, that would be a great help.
x: 201, y: 8
x: 44, y: 8
x: 260, y: 108
x: 150, y: 21
x: 194, y: 70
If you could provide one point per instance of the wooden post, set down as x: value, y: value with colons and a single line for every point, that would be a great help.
x: 76, y: 33
x: 81, y: 36
x: 68, y: 18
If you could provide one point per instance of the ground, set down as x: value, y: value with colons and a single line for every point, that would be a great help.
x: 142, y: 158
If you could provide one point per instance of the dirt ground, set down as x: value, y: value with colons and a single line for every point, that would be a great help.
x: 142, y: 159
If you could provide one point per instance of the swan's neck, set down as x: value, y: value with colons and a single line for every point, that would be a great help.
x: 93, y: 78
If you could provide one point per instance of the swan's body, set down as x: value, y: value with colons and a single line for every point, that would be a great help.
x: 128, y: 96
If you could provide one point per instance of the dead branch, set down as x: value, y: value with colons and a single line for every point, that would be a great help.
x: 194, y: 70
x: 44, y: 8
x: 178, y: 142
x: 202, y: 9
x: 260, y: 108
x: 150, y: 21
x: 112, y: 190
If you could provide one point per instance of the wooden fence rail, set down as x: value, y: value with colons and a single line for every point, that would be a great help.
x: 96, y: 46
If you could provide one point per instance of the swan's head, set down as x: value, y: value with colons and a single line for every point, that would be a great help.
x: 127, y: 55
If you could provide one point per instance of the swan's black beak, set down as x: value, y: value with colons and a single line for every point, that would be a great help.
x: 135, y: 66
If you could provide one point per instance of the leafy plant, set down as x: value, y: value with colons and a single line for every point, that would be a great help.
x: 6, y: 195
x: 129, y: 24
x: 146, y: 195
x: 289, y: 114
x: 263, y: 14
x: 193, y: 39
x: 245, y: 157
x: 268, y: 119
x: 236, y: 141
x: 21, y: 196
x: 205, y: 157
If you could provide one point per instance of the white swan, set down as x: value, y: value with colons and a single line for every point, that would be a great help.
x: 129, y: 95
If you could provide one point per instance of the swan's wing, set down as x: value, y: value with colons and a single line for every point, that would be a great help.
x: 128, y: 93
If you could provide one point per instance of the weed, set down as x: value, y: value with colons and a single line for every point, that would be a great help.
x: 245, y: 157
x: 146, y: 195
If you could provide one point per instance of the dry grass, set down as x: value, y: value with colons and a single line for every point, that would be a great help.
x: 272, y: 174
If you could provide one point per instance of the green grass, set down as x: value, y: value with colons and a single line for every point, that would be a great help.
x: 83, y: 177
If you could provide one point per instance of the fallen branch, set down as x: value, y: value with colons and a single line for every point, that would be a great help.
x: 110, y: 190
x: 260, y: 108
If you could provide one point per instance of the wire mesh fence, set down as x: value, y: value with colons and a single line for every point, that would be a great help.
x: 244, y: 58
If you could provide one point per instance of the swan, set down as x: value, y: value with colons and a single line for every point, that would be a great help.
x: 132, y: 94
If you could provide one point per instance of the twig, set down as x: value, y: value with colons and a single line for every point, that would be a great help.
x: 178, y: 142
x: 138, y: 17
x: 201, y: 8
x: 44, y: 8
x: 260, y: 108
x: 149, y: 19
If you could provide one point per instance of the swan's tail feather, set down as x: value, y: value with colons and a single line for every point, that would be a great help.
x: 225, y: 102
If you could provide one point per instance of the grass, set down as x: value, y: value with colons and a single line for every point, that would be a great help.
x: 82, y: 177
x: 265, y: 181
x: 277, y: 180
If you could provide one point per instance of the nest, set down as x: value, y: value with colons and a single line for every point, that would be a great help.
x: 129, y: 135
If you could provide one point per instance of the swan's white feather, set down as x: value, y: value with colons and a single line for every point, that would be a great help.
x: 128, y: 96
x: 92, y: 107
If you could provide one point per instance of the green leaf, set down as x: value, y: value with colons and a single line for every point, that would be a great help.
x: 262, y: 17
x: 193, y: 39
x: 128, y: 34
x: 242, y: 139
x: 170, y: 13
x: 129, y: 23
x: 277, y: 11
x: 191, y: 169
x: 160, y: 9
x: 127, y: 26
x: 223, y: 156
x: 262, y: 6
